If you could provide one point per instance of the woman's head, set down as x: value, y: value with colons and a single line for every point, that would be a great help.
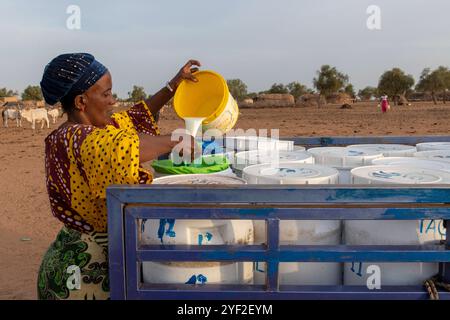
x: 82, y: 85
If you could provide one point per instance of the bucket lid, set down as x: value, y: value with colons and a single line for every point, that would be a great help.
x: 399, y: 174
x: 429, y: 146
x: 248, y: 143
x: 247, y: 158
x: 299, y: 148
x: 210, y: 164
x: 437, y: 155
x: 340, y: 157
x: 416, y: 162
x: 388, y: 150
x: 290, y: 173
x: 198, y: 179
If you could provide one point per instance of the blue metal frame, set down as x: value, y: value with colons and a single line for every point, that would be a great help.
x: 128, y: 204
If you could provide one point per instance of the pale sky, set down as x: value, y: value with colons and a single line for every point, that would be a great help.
x: 259, y: 41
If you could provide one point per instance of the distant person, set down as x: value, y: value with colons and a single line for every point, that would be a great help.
x: 86, y: 154
x: 385, y: 103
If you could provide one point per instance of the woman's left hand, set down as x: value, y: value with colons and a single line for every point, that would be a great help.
x: 186, y: 73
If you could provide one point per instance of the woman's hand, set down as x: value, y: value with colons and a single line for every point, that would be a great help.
x: 186, y: 73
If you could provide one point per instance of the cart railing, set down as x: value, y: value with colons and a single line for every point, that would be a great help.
x: 129, y: 205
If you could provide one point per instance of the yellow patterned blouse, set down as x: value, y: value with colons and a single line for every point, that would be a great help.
x: 82, y: 160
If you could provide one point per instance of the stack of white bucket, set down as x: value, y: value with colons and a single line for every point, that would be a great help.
x: 356, y: 164
x: 304, y: 232
x: 267, y: 161
x: 397, y: 167
x: 197, y: 232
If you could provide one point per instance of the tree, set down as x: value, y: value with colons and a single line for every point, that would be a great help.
x: 137, y: 94
x: 368, y: 93
x: 32, y: 93
x: 116, y: 97
x: 297, y: 89
x: 350, y: 90
x: 434, y: 82
x: 251, y: 95
x: 4, y: 92
x: 278, y: 88
x: 329, y: 80
x: 394, y: 83
x: 238, y: 89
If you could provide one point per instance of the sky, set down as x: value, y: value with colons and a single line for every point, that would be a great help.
x: 258, y: 41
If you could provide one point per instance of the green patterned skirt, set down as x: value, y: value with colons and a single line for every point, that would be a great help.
x: 75, y: 267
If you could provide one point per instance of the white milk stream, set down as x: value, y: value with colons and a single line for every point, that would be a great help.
x: 193, y: 125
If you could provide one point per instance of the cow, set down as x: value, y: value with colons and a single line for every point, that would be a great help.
x: 33, y: 115
x: 54, y: 113
x: 12, y: 114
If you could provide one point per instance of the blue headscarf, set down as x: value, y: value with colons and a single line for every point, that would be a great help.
x: 69, y: 74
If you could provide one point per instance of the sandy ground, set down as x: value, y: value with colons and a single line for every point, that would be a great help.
x: 27, y: 226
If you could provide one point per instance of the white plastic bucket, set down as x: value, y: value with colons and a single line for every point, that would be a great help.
x: 388, y: 150
x: 431, y: 146
x: 381, y: 232
x: 290, y: 173
x: 248, y: 143
x: 309, y: 232
x: 343, y: 159
x: 197, y: 232
x: 248, y: 158
x: 437, y: 155
x: 416, y: 162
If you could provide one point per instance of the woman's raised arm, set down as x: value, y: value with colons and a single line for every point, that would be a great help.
x: 158, y: 100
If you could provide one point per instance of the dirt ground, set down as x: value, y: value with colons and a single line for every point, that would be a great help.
x: 27, y: 226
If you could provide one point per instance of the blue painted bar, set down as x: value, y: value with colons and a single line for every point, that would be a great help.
x: 273, y: 247
x: 345, y: 140
x: 279, y: 194
x: 290, y: 213
x: 116, y: 248
x: 132, y: 264
x: 248, y: 292
x: 445, y: 267
x: 293, y: 253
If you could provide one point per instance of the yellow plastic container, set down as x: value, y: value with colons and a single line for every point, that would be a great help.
x: 208, y: 98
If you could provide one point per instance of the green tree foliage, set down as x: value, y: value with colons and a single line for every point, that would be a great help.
x: 329, y: 80
x: 32, y: 93
x: 395, y: 82
x: 137, y: 94
x: 238, y: 89
x: 434, y: 82
x: 278, y: 88
x: 297, y: 89
x: 4, y: 92
x: 251, y: 95
x: 350, y: 90
x: 368, y: 93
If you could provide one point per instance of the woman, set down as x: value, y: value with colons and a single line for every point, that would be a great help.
x: 90, y: 151
x: 385, y: 103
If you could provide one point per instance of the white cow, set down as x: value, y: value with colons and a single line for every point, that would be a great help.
x: 11, y: 114
x: 54, y: 113
x: 33, y: 115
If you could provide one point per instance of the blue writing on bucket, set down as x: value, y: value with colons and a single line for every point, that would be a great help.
x: 207, y: 235
x: 200, y: 279
x: 162, y: 228
x: 359, y: 272
x: 256, y: 267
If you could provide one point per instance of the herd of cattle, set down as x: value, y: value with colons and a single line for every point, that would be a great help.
x: 31, y: 115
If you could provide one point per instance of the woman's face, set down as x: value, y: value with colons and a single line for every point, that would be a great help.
x: 98, y: 101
